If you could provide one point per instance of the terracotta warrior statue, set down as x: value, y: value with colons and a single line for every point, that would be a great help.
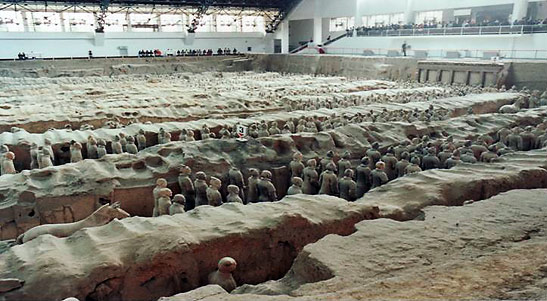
x: 164, y: 201
x: 252, y: 192
x: 296, y: 187
x: 44, y: 158
x: 130, y: 147
x: 347, y: 186
x: 178, y: 204
x: 214, y: 198
x: 200, y: 186
x: 116, y: 145
x: 163, y: 136
x: 91, y: 147
x: 311, y: 178
x: 141, y: 140
x: 233, y: 195
x: 266, y: 189
x: 33, y: 155
x: 223, y: 275
x: 161, y: 183
x: 296, y: 166
x: 379, y: 177
x: 363, y: 177
x: 7, y: 163
x: 75, y: 152
x: 344, y: 164
x: 187, y: 187
x: 101, y: 148
x: 235, y: 177
x: 329, y: 180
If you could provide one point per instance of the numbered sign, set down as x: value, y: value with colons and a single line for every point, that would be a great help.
x: 242, y: 131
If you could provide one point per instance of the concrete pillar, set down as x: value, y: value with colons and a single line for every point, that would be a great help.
x: 358, y: 15
x: 62, y: 20
x: 520, y: 9
x: 159, y: 22
x: 409, y: 12
x: 283, y: 34
x: 317, y: 30
x: 27, y: 20
x: 448, y: 15
x: 128, y: 20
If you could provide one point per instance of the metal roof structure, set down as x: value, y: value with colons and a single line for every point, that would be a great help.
x: 274, y: 11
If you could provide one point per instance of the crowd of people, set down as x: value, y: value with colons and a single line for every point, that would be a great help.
x: 187, y: 52
x: 363, y: 30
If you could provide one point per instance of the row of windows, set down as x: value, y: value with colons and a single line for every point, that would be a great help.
x: 17, y: 21
x: 343, y: 23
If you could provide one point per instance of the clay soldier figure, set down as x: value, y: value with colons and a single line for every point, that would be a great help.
x: 205, y: 132
x: 163, y: 137
x: 252, y: 192
x: 296, y: 187
x: 190, y: 136
x: 75, y: 152
x: 223, y: 276
x: 101, y: 148
x: 266, y: 189
x: 164, y: 201
x: 7, y: 163
x: 529, y: 139
x: 235, y: 177
x: 200, y: 185
x: 344, y: 164
x: 233, y: 195
x: 373, y: 154
x: 263, y: 130
x: 325, y: 161
x: 182, y: 136
x: 329, y: 181
x: 178, y: 204
x: 91, y: 147
x: 401, y: 165
x: 514, y: 140
x: 311, y: 178
x: 363, y: 177
x: 33, y: 155
x: 454, y: 160
x: 116, y: 145
x: 444, y: 155
x: 44, y: 158
x: 414, y: 166
x: 214, y: 198
x: 379, y: 177
x: 430, y: 161
x: 390, y: 160
x: 131, y: 147
x: 296, y: 166
x: 161, y: 183
x: 347, y: 186
x: 274, y: 129
x: 141, y: 140
x: 187, y: 187
x: 3, y: 150
x: 49, y: 148
x: 123, y: 142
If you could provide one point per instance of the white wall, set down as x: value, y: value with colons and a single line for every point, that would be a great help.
x: 523, y: 46
x: 78, y: 44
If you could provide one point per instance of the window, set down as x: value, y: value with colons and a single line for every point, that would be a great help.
x: 11, y: 21
x: 383, y: 20
x: 79, y: 22
x: 144, y: 22
x: 116, y: 23
x: 46, y: 22
x: 206, y: 24
x: 228, y: 23
x: 172, y: 23
x: 341, y: 24
x: 428, y: 17
x: 253, y: 24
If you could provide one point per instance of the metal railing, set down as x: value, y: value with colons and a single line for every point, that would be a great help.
x: 453, y: 31
x: 534, y: 54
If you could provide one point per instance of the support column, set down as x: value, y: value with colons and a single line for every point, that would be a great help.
x: 27, y: 20
x: 128, y: 21
x: 317, y: 30
x: 358, y: 16
x: 283, y: 34
x: 520, y: 10
x: 62, y: 20
x: 409, y: 12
